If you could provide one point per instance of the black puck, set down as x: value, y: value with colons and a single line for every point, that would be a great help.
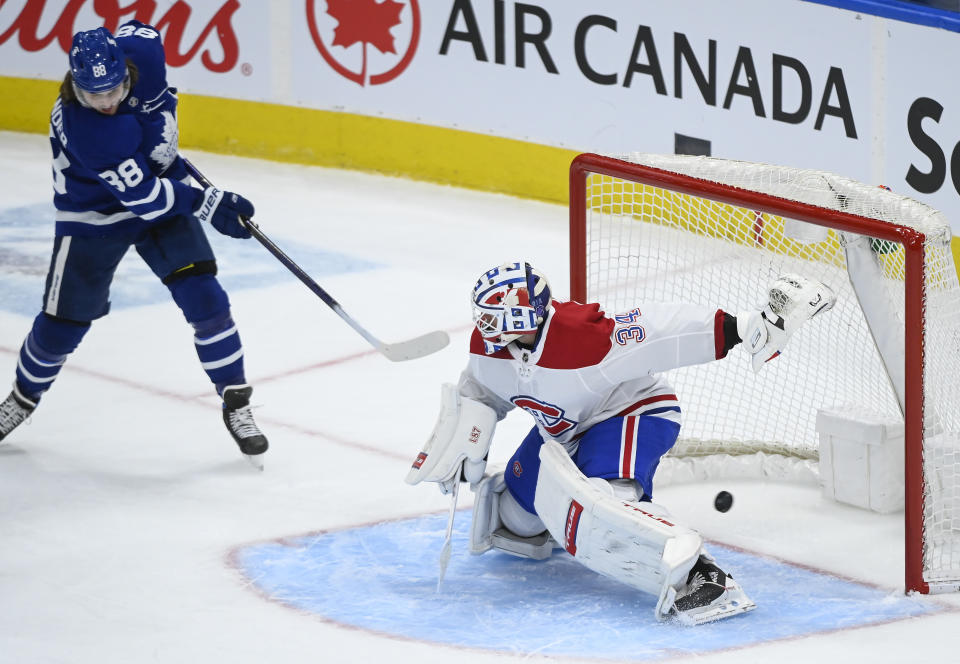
x: 723, y: 501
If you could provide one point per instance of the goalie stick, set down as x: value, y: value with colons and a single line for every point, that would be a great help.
x: 448, y: 539
x: 410, y: 349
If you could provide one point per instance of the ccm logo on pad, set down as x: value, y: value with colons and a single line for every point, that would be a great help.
x: 570, y: 530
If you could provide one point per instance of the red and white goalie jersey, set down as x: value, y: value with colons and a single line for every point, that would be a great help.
x: 586, y: 367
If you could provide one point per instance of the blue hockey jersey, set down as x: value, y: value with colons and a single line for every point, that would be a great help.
x: 118, y: 173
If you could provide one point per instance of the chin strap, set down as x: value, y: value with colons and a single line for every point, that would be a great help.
x: 490, y: 348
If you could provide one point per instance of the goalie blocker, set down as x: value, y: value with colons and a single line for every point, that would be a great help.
x: 459, y: 443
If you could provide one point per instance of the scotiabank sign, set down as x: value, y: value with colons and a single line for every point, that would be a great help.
x: 40, y: 23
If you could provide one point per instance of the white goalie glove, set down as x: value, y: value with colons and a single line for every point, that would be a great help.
x: 460, y: 439
x: 792, y: 301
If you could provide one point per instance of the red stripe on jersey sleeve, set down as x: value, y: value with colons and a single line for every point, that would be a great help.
x: 719, y: 340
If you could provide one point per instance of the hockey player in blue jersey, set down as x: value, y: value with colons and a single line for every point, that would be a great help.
x: 118, y: 182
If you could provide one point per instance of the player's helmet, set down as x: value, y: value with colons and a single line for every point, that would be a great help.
x: 96, y: 61
x: 509, y: 301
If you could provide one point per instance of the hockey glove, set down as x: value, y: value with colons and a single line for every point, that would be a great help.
x: 793, y: 300
x: 223, y: 210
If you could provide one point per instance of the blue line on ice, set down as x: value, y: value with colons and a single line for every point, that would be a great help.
x: 26, y: 240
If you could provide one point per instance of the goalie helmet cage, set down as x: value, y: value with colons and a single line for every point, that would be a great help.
x: 717, y: 232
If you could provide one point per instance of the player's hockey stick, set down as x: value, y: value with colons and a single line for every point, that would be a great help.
x: 403, y: 350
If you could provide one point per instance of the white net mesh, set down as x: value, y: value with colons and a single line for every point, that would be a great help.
x: 645, y: 243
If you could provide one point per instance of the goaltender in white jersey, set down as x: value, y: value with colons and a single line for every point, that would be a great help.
x: 582, y: 479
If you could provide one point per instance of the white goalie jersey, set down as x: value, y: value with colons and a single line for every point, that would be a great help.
x: 587, y: 367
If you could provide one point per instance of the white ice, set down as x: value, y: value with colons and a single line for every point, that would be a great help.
x: 123, y: 496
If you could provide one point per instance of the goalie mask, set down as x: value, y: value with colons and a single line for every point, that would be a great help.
x: 509, y: 301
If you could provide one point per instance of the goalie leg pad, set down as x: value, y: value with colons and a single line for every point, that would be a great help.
x: 461, y: 438
x: 624, y: 540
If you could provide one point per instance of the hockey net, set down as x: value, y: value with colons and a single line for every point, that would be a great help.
x: 717, y: 232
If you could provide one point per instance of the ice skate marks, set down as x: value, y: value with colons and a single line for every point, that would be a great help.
x: 383, y: 578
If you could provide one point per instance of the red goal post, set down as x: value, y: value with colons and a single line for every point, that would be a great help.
x: 695, y: 228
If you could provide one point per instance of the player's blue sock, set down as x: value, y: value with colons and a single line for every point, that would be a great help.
x: 44, y: 352
x: 220, y: 351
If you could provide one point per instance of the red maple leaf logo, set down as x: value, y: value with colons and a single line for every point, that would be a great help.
x: 365, y: 21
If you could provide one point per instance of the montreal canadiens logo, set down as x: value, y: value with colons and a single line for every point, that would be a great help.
x: 549, y: 416
x: 365, y: 41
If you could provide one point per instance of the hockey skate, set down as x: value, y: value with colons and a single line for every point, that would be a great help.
x: 13, y: 411
x: 239, y: 420
x: 710, y: 594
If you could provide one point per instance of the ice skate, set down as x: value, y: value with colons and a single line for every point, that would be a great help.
x: 239, y: 420
x: 710, y: 594
x: 13, y: 411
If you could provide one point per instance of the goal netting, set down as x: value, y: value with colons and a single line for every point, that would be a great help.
x: 717, y: 232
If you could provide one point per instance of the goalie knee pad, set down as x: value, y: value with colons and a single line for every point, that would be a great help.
x: 489, y: 530
x: 516, y: 519
x: 624, y: 540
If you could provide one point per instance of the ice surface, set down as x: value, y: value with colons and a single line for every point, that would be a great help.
x: 126, y: 510
x: 382, y: 577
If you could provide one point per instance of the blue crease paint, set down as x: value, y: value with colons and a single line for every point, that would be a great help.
x: 383, y: 578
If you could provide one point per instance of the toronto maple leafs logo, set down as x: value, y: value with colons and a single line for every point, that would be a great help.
x: 166, y: 150
x: 365, y: 41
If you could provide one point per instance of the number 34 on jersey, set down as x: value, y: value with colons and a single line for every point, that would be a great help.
x: 628, y: 330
